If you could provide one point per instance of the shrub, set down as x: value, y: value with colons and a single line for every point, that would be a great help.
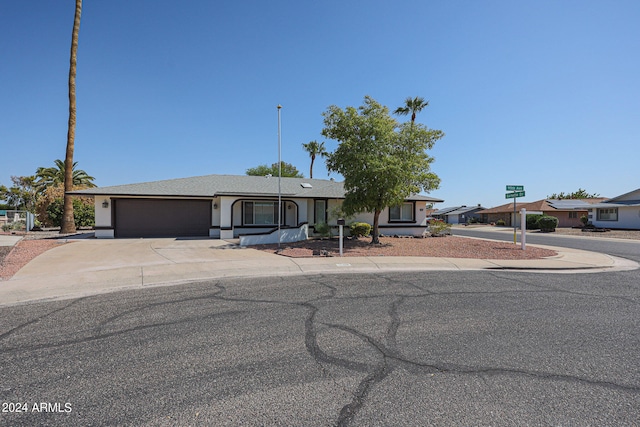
x: 15, y: 226
x: 438, y: 227
x: 49, y: 208
x: 532, y: 221
x: 323, y: 229
x: 584, y: 220
x: 359, y: 229
x: 83, y: 213
x: 548, y: 223
x: 501, y: 222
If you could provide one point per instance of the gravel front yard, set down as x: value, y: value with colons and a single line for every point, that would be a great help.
x: 446, y: 247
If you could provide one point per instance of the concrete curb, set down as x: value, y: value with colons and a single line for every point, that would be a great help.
x: 108, y: 266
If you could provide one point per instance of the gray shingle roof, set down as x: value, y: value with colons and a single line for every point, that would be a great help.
x: 464, y: 209
x: 230, y: 185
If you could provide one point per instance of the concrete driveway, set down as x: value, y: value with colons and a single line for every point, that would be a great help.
x: 90, y: 266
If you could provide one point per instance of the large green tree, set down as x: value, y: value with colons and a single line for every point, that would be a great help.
x: 580, y: 194
x: 22, y: 194
x: 288, y: 170
x: 382, y: 161
x: 68, y: 222
x: 47, y: 177
x: 314, y: 149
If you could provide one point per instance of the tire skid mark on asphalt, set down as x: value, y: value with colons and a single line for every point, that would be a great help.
x: 115, y: 317
x: 116, y: 333
x: 39, y: 318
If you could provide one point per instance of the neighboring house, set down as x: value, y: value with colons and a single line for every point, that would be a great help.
x: 502, y: 212
x: 442, y: 212
x: 567, y: 211
x: 620, y: 212
x: 231, y: 206
x: 458, y: 214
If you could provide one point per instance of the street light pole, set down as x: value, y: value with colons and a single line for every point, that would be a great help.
x: 279, y: 176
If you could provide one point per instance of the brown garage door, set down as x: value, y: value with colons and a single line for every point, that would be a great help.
x: 162, y: 218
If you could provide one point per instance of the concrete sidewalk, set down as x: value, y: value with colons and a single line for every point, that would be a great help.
x: 9, y: 240
x: 89, y: 266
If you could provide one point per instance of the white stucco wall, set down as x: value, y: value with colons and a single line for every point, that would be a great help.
x: 286, y: 235
x: 103, y: 215
x: 103, y: 218
x: 415, y: 229
x: 628, y: 217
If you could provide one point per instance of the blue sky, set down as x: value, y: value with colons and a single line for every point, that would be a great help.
x: 544, y: 93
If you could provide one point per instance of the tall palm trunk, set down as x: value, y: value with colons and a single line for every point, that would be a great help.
x: 313, y: 158
x: 68, y: 221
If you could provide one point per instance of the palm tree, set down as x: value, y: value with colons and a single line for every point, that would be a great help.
x: 68, y: 223
x: 48, y: 177
x: 314, y: 149
x: 413, y: 106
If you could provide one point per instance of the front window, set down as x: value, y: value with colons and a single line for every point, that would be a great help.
x: 320, y: 214
x: 608, y: 214
x: 404, y: 212
x: 573, y: 215
x: 260, y: 213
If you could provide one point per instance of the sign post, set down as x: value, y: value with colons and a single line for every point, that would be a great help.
x: 341, y: 223
x: 516, y: 191
x: 523, y: 228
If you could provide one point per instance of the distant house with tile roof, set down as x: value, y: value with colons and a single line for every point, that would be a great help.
x: 568, y: 211
x: 232, y: 206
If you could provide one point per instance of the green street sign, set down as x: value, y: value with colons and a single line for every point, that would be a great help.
x: 515, y: 187
x: 514, y: 195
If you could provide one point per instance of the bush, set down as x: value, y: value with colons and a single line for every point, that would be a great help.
x: 323, y: 229
x: 548, y: 223
x: 359, y: 229
x: 49, y: 208
x: 83, y: 213
x: 584, y: 220
x: 532, y: 221
x: 438, y: 227
x: 501, y: 222
x: 15, y: 226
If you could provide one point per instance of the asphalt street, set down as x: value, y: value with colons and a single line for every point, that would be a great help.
x: 403, y: 349
x: 629, y: 249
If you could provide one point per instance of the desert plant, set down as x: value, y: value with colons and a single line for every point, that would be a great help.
x: 360, y: 229
x: 14, y: 226
x: 584, y: 220
x: 501, y: 222
x: 438, y: 227
x: 548, y: 223
x: 323, y: 229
